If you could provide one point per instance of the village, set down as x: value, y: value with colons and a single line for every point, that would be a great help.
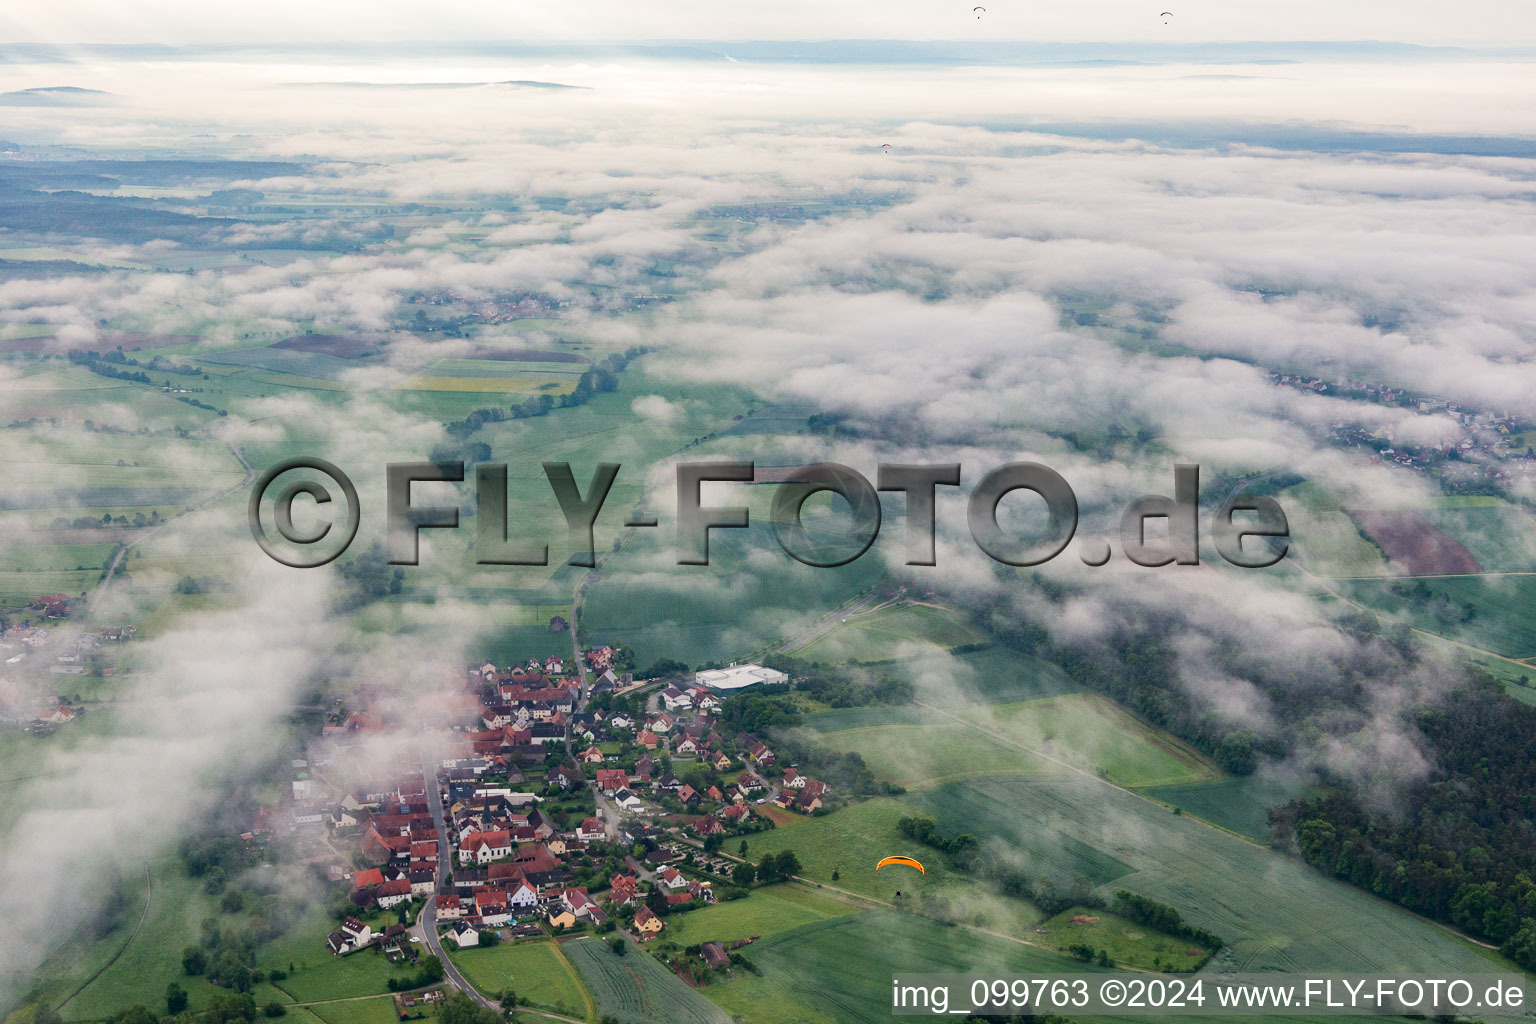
x: 32, y: 697
x: 1491, y: 444
x: 567, y: 801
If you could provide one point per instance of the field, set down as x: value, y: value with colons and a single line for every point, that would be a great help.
x: 967, y: 741
x: 637, y: 988
x: 1125, y: 941
x: 297, y: 363
x: 359, y: 1011
x: 487, y: 384
x: 316, y: 974
x: 750, y: 596
x: 1095, y: 734
x: 1240, y: 805
x: 990, y: 675
x: 1413, y: 546
x: 880, y: 635
x: 840, y: 719
x: 932, y: 753
x: 1296, y: 920
x: 148, y: 956
x: 768, y: 911
x: 852, y: 840
x: 1496, y: 535
x: 840, y: 970
x: 534, y: 970
x: 1323, y: 536
x: 1491, y: 612
x: 1501, y: 536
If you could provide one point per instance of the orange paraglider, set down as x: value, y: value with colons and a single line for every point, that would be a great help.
x: 904, y: 861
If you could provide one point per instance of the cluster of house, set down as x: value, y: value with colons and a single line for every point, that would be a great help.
x: 355, y: 934
x: 21, y: 640
x: 508, y: 859
x: 1487, y: 437
x: 51, y: 606
x: 21, y: 704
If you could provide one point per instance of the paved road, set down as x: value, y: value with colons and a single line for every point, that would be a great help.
x: 642, y: 872
x: 122, y: 553
x: 426, y: 923
x: 608, y: 812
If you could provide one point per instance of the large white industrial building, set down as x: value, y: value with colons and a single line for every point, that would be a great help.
x: 737, y: 676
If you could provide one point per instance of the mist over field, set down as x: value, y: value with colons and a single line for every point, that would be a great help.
x: 1309, y: 270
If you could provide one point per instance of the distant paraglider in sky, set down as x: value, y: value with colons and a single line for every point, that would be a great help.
x: 979, y: 11
x: 1167, y: 16
x: 885, y: 147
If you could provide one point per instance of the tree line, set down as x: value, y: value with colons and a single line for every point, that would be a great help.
x: 1458, y: 845
x: 601, y: 378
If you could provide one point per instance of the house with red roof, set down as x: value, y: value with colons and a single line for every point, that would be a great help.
x: 393, y: 893
x: 647, y: 923
x: 484, y: 847
x: 491, y: 907
x: 621, y: 889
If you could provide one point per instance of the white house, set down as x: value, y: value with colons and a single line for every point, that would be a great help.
x: 464, y: 936
x: 524, y: 897
x: 392, y: 894
x: 484, y: 847
x: 353, y: 935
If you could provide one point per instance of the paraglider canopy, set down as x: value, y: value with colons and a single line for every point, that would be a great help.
x: 982, y: 10
x: 1166, y: 15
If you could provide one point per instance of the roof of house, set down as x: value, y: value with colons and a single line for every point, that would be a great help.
x: 495, y: 839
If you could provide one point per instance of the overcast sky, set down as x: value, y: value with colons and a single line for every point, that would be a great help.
x: 1505, y: 23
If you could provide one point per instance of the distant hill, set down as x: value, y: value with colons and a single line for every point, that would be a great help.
x: 56, y: 96
x: 521, y: 84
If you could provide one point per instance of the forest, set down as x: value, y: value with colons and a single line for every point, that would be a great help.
x: 1458, y: 845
